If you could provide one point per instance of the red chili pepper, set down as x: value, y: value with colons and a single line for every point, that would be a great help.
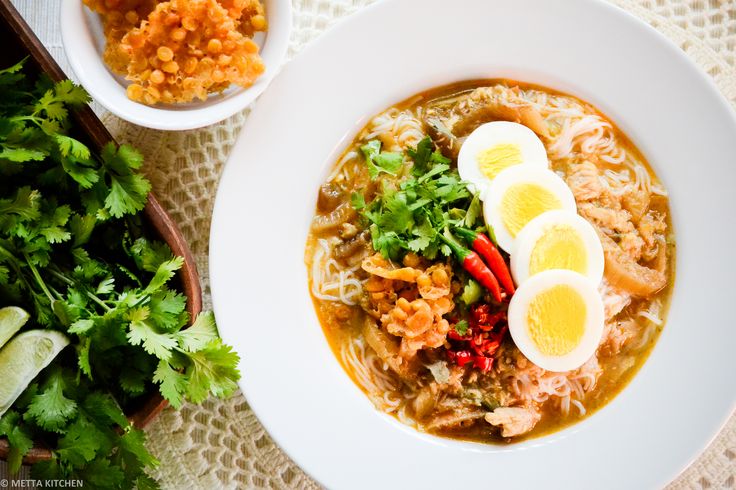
x: 483, y: 363
x: 491, y: 322
x: 478, y: 347
x: 452, y: 334
x: 485, y: 247
x: 475, y: 266
x: 480, y: 312
x: 463, y: 357
x: 491, y: 346
x: 482, y: 318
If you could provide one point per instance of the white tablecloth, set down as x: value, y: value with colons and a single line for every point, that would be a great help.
x: 221, y: 444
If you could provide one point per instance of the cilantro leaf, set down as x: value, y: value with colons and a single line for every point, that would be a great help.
x: 80, y: 443
x: 425, y: 234
x: 128, y: 194
x: 167, y: 310
x: 357, y: 200
x: 461, y: 327
x: 50, y: 408
x: 149, y: 255
x: 425, y: 156
x: 389, y: 162
x: 86, y: 176
x: 410, y: 217
x: 473, y: 213
x: 70, y: 147
x: 103, y: 409
x: 47, y: 470
x: 4, y: 79
x: 397, y: 216
x: 378, y: 161
x: 52, y: 107
x: 164, y: 273
x: 172, y: 383
x: 100, y: 473
x: 18, y: 437
x: 388, y: 244
x: 81, y: 228
x: 69, y: 93
x: 421, y: 155
x: 212, y: 370
x: 128, y: 190
x: 202, y: 333
x: 73, y: 252
x: 133, y: 381
x: 81, y: 327
x: 144, y: 333
x: 134, y: 452
x: 371, y: 149
x: 25, y: 204
x: 21, y: 155
x: 83, y: 361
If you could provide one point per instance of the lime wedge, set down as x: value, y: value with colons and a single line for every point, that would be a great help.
x: 12, y: 319
x: 23, y: 358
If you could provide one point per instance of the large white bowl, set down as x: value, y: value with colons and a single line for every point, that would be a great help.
x: 685, y: 391
x: 84, y: 42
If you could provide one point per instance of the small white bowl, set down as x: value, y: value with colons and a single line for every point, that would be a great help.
x: 84, y: 42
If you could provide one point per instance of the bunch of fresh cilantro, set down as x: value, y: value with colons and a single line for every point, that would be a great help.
x: 416, y: 203
x: 75, y: 253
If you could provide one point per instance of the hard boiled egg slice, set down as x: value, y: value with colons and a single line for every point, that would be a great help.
x: 557, y: 240
x: 495, y: 146
x: 518, y: 195
x: 556, y: 319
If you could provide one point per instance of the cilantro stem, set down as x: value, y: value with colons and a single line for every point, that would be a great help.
x: 38, y: 278
x: 98, y: 301
x: 71, y: 282
x: 10, y: 259
x: 56, y: 293
x: 35, y: 120
x: 61, y: 276
x: 4, y: 251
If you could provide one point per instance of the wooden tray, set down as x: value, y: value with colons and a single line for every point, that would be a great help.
x: 19, y: 41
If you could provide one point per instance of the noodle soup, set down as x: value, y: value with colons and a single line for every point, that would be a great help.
x: 429, y: 329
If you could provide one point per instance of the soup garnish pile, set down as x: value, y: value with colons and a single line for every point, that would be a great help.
x: 491, y: 260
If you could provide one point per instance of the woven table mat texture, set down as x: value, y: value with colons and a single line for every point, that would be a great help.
x: 221, y: 444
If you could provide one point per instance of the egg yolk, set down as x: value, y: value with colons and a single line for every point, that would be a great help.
x: 560, y: 247
x: 496, y: 158
x: 556, y: 320
x: 523, y: 202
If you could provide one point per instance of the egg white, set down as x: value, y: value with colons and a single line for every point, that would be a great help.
x: 490, y: 135
x: 528, y: 237
x: 593, y: 329
x: 521, y: 174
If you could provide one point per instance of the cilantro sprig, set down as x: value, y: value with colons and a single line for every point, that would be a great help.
x: 75, y: 253
x: 411, y: 215
x: 378, y: 161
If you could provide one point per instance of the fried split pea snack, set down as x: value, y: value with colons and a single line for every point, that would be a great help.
x: 181, y: 50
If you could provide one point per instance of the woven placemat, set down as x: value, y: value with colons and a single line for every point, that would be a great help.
x: 221, y: 444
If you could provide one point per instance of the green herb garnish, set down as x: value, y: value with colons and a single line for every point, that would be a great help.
x: 379, y: 161
x: 74, y: 253
x: 410, y: 216
x: 461, y: 327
